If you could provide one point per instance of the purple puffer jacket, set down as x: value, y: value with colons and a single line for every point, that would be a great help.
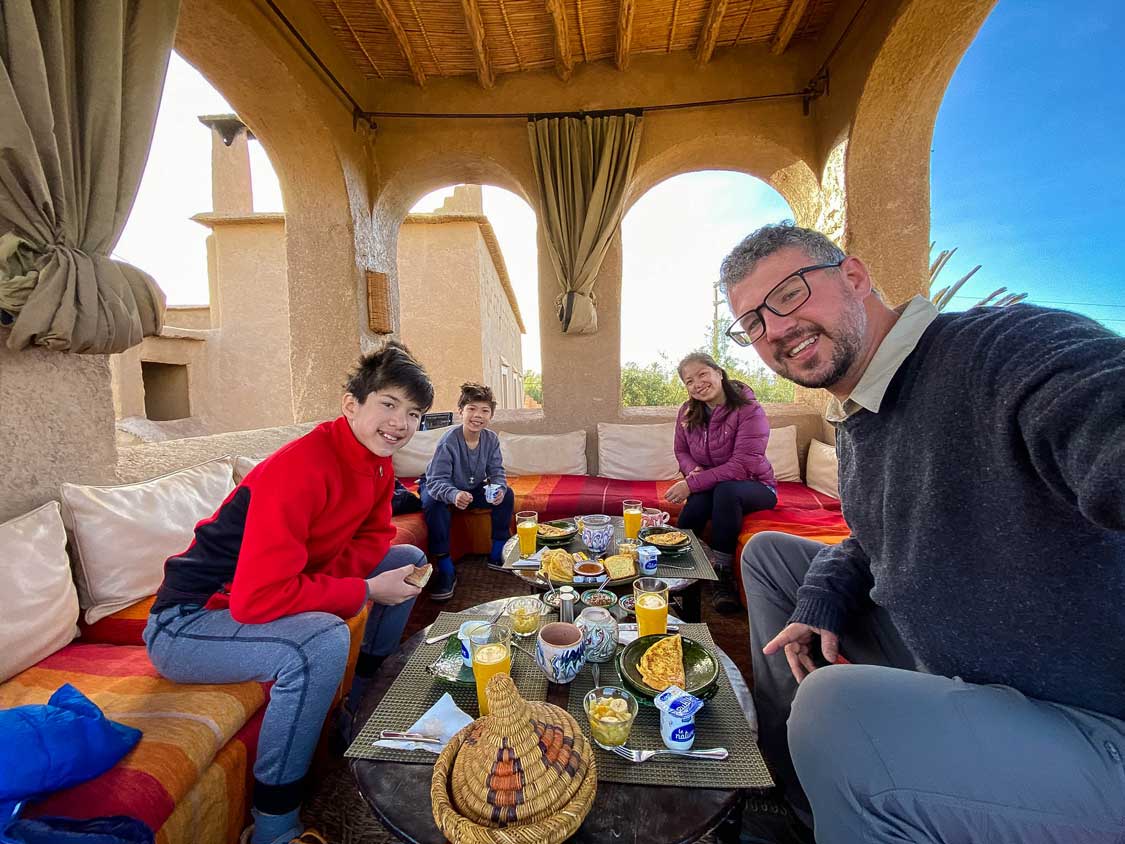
x: 732, y: 447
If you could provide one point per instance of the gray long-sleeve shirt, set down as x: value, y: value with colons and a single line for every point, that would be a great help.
x: 455, y: 467
x: 986, y: 500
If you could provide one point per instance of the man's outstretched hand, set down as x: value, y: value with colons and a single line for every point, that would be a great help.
x: 796, y: 640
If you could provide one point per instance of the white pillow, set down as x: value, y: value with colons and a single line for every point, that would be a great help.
x: 781, y: 452
x: 123, y: 534
x: 411, y: 460
x: 543, y: 454
x: 40, y: 604
x: 637, y: 452
x: 822, y: 472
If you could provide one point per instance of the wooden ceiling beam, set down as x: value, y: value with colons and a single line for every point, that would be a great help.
x: 788, y: 26
x: 625, y: 11
x: 709, y: 35
x: 480, y: 49
x: 564, y: 60
x: 407, y: 51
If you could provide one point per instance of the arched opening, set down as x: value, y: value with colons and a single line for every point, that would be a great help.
x: 209, y: 226
x: 468, y: 293
x: 1021, y: 190
x: 673, y: 239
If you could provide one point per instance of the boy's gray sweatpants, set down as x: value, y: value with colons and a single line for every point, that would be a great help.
x: 886, y: 753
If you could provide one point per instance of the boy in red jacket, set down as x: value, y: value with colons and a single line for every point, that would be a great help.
x: 300, y: 545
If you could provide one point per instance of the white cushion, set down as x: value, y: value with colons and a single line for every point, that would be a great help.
x: 781, y: 452
x: 822, y: 472
x: 543, y: 454
x: 411, y: 460
x: 123, y: 534
x: 40, y: 604
x: 243, y: 465
x: 637, y: 452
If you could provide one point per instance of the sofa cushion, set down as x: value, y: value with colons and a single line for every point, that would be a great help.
x: 183, y: 728
x: 822, y: 469
x: 243, y: 465
x: 123, y: 534
x: 638, y: 452
x: 561, y: 496
x: 411, y: 460
x: 543, y: 454
x: 781, y: 451
x: 800, y: 497
x: 40, y: 602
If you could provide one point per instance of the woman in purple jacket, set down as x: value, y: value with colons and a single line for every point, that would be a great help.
x: 721, y: 436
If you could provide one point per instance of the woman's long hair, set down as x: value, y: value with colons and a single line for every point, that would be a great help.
x: 732, y: 390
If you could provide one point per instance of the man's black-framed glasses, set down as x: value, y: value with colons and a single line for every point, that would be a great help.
x: 788, y: 295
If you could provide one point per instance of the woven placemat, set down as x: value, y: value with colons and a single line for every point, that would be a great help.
x: 415, y: 690
x: 721, y: 723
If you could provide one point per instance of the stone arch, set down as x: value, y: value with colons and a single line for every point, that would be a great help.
x: 887, y: 172
x: 321, y: 164
x: 763, y: 158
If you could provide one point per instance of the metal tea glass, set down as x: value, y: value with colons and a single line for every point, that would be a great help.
x: 491, y: 648
x: 651, y: 598
x: 525, y: 614
x: 631, y: 510
x: 527, y: 528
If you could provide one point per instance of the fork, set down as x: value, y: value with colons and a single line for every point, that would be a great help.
x: 716, y: 753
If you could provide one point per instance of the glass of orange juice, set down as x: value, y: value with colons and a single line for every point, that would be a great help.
x: 631, y: 509
x: 490, y: 645
x: 651, y: 596
x: 527, y: 528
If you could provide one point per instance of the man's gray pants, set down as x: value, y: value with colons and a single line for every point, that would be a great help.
x: 886, y: 753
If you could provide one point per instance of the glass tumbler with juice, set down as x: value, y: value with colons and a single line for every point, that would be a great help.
x: 651, y: 597
x: 527, y: 527
x: 492, y: 654
x: 631, y: 510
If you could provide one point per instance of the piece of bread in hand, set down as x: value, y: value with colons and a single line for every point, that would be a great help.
x: 420, y: 576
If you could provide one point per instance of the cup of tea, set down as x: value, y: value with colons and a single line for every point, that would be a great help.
x: 560, y: 651
x: 652, y: 517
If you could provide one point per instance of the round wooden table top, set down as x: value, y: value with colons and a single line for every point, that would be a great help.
x: 399, y: 792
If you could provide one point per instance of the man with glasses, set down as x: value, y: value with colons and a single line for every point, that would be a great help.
x: 979, y: 597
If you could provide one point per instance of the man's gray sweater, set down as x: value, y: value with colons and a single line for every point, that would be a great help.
x: 986, y: 501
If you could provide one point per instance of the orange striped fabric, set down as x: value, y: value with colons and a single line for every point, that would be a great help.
x: 189, y: 776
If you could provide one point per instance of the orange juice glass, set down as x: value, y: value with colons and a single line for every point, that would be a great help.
x: 527, y: 528
x: 632, y: 510
x: 492, y: 654
x: 651, y: 596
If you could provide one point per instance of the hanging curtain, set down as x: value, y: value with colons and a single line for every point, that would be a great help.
x: 583, y: 167
x: 80, y: 85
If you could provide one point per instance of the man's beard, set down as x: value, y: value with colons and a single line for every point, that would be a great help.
x: 847, y: 341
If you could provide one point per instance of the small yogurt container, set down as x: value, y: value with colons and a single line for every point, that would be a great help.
x: 677, y: 717
x: 647, y: 557
x: 463, y: 635
x: 492, y: 493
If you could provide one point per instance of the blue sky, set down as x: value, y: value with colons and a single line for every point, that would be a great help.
x: 1028, y: 164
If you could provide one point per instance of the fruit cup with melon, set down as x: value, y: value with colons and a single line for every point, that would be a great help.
x: 611, y: 712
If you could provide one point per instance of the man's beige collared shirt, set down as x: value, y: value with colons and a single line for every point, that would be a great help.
x: 914, y: 318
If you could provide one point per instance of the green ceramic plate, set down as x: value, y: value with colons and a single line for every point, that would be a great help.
x: 665, y: 550
x: 449, y: 666
x: 700, y: 667
x: 559, y: 541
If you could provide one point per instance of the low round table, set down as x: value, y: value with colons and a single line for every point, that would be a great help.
x: 399, y: 792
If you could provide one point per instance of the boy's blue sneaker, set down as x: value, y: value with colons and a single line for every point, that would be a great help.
x: 497, y: 555
x: 444, y: 580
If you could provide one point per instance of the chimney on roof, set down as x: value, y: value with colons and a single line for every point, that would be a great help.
x: 231, y: 190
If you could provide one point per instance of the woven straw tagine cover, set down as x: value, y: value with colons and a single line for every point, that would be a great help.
x: 523, y: 774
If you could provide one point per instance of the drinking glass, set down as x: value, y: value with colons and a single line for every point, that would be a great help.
x: 525, y: 614
x: 490, y: 645
x: 611, y: 712
x: 651, y: 597
x: 632, y: 509
x: 527, y: 526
